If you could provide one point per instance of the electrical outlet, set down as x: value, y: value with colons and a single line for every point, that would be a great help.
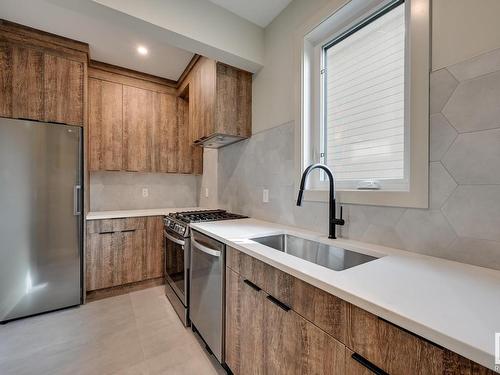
x: 206, y: 192
x: 145, y: 192
x: 265, y: 195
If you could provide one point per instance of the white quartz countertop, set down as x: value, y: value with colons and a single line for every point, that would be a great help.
x: 99, y: 215
x: 451, y: 304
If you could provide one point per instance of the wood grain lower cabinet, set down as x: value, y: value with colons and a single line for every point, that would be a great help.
x: 310, y: 331
x: 391, y: 348
x: 130, y: 256
x: 245, y: 340
x: 323, y: 309
x: 296, y: 346
x: 153, y: 258
x: 114, y: 258
x: 101, y: 259
x: 265, y: 337
x: 123, y: 251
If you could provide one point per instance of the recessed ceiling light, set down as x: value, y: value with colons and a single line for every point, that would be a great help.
x: 142, y: 50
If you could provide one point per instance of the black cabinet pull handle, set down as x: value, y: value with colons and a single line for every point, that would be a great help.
x: 252, y: 285
x: 366, y: 363
x: 278, y: 303
x: 106, y: 232
x: 128, y: 230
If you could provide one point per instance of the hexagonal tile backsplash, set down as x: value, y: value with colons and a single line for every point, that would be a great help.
x: 463, y: 222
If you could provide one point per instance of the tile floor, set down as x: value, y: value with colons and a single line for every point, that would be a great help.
x: 137, y: 333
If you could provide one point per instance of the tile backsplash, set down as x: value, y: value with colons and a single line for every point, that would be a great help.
x: 463, y: 221
x: 123, y: 190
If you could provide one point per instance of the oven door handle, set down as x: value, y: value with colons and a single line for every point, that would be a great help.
x: 173, y: 239
x: 205, y: 249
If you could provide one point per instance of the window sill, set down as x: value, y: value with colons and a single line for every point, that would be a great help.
x: 371, y: 197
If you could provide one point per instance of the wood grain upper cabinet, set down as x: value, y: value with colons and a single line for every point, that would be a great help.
x: 63, y: 90
x: 21, y: 82
x: 220, y: 98
x: 233, y: 114
x: 105, y: 125
x: 165, y: 137
x: 138, y: 123
x: 42, y: 76
x: 184, y: 144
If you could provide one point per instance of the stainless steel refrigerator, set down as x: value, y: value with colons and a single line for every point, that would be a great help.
x: 41, y: 221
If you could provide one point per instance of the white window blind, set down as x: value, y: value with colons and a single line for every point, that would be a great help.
x: 364, y: 101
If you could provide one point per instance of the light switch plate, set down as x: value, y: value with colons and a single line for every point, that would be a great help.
x: 145, y: 192
x: 265, y: 195
x: 206, y: 192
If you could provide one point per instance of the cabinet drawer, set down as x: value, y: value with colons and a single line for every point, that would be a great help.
x: 319, y: 307
x: 116, y: 225
x: 389, y: 347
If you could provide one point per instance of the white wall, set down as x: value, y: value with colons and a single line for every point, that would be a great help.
x: 273, y: 101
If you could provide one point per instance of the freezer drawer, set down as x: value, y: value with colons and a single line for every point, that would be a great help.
x: 207, y: 290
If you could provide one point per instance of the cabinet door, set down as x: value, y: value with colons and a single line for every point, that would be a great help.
x: 6, y: 66
x: 130, y: 257
x: 202, y: 99
x: 21, y: 82
x: 296, y: 346
x: 184, y: 144
x: 63, y: 90
x: 233, y: 114
x: 105, y: 125
x: 390, y: 348
x: 101, y: 260
x: 138, y: 122
x: 165, y: 133
x: 245, y: 346
x: 153, y: 258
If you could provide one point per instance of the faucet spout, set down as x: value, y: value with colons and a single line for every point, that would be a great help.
x: 333, y: 221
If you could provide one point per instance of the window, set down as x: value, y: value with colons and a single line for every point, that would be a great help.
x: 363, y: 102
x: 364, y: 94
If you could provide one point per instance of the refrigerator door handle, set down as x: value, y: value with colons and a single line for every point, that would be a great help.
x: 76, y: 200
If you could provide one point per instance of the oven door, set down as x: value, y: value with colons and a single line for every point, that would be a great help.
x: 177, y: 264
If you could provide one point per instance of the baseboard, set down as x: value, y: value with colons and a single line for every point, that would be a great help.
x: 96, y: 295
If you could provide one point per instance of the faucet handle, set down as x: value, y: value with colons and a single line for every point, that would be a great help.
x: 340, y: 221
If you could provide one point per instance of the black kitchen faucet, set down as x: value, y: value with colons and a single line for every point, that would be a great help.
x: 332, y: 220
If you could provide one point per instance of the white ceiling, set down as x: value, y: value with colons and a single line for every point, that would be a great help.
x: 113, y: 37
x: 260, y: 12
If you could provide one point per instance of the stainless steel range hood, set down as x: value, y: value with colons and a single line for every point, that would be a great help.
x: 217, y: 140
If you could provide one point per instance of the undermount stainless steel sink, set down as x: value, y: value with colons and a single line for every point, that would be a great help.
x: 334, y: 258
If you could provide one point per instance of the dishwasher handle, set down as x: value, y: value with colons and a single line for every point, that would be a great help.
x: 205, y: 249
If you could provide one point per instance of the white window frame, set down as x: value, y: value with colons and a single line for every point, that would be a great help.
x: 333, y: 20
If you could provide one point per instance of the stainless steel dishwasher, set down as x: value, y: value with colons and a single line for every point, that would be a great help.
x: 207, y: 294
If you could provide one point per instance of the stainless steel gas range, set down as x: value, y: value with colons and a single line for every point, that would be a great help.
x: 178, y: 254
